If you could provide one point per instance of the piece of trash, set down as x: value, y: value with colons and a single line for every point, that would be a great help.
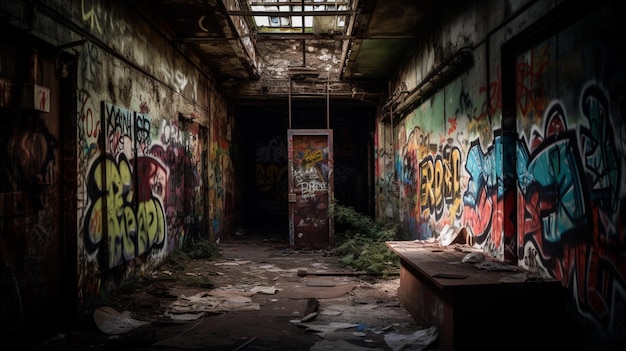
x: 110, y: 321
x: 496, y: 266
x: 185, y: 317
x: 413, y: 342
x: 362, y: 327
x: 473, y: 257
x: 380, y: 331
x: 331, y: 312
x: 453, y: 235
x: 309, y: 317
x: 269, y: 290
x: 327, y: 328
x: 312, y: 305
x: 214, y: 301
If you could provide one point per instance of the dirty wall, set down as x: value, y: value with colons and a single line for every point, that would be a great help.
x: 145, y: 150
x: 524, y: 149
x: 154, y: 146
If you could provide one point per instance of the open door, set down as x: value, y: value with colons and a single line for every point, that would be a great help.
x: 310, y: 188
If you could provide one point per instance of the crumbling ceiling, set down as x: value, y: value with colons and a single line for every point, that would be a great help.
x: 355, y: 61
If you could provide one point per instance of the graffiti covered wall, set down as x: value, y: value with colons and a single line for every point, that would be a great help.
x: 571, y: 180
x: 271, y: 177
x: 545, y: 192
x: 222, y: 179
x: 447, y: 169
x: 143, y: 155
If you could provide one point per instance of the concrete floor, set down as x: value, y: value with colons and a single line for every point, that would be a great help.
x: 256, y: 268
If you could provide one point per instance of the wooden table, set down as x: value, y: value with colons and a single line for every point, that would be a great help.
x: 473, y: 307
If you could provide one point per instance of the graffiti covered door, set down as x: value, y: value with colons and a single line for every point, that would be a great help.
x: 310, y: 187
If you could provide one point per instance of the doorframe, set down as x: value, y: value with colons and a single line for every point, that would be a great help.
x: 292, y: 199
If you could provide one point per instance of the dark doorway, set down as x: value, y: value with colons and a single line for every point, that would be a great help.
x: 263, y: 139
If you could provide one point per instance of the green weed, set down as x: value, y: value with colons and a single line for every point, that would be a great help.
x: 360, y: 241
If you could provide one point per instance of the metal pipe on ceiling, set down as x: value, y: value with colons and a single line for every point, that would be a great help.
x: 327, y: 104
x: 289, y: 102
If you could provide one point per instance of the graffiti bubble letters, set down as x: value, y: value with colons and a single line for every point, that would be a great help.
x: 132, y: 227
x: 440, y: 182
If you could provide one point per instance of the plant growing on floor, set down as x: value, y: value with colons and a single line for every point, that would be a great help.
x: 193, y: 249
x: 201, y: 248
x: 360, y: 241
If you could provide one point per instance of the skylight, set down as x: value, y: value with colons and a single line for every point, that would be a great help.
x: 304, y: 16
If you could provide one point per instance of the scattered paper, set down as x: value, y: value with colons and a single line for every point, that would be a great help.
x: 473, y: 257
x: 269, y: 290
x: 217, y: 301
x: 496, y: 266
x: 413, y: 342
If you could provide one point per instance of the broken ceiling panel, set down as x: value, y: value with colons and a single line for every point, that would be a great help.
x: 243, y: 42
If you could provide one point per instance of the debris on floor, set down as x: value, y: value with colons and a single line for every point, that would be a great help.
x: 321, y: 329
x: 417, y: 341
x: 214, y: 301
x: 257, y: 301
x: 110, y: 321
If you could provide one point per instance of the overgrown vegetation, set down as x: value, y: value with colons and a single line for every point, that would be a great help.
x: 201, y: 249
x: 192, y: 249
x: 361, y: 241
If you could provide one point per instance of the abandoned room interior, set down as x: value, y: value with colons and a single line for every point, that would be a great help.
x: 495, y: 126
